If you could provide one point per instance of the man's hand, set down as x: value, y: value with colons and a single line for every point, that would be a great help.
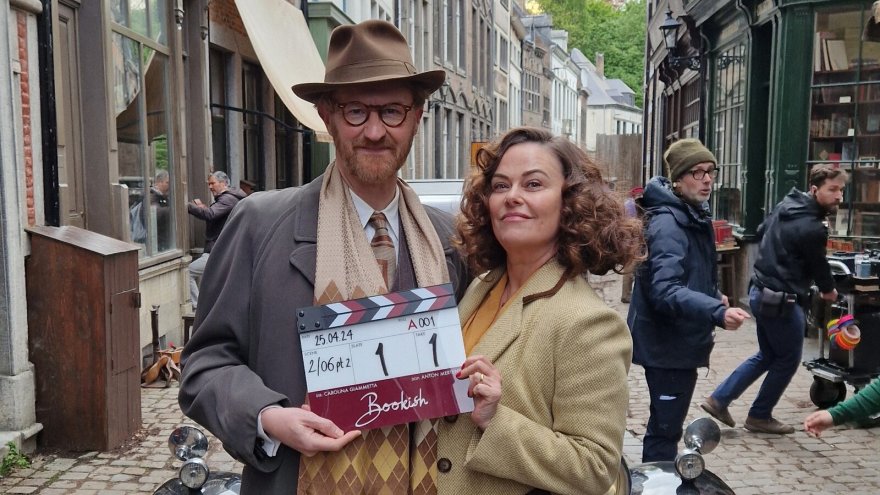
x: 734, y: 317
x: 198, y: 202
x: 830, y: 296
x: 301, y: 429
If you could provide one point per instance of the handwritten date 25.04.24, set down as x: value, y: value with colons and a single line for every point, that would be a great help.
x: 336, y: 337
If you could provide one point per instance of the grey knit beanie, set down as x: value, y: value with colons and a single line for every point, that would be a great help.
x: 684, y: 154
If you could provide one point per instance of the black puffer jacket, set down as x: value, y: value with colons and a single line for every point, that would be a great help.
x: 792, y: 250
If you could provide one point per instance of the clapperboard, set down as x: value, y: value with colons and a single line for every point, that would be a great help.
x: 385, y: 360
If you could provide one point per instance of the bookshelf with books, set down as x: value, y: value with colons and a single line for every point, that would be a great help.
x: 844, y: 126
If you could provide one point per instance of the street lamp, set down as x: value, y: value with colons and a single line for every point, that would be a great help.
x: 669, y: 29
x: 441, y: 91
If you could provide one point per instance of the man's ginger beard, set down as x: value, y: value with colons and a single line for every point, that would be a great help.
x: 370, y: 169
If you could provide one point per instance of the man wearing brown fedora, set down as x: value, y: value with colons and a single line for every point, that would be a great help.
x: 356, y: 231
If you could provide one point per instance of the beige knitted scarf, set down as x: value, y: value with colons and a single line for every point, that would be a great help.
x: 393, y: 460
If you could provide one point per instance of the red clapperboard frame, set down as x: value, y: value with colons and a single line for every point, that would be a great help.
x: 335, y: 335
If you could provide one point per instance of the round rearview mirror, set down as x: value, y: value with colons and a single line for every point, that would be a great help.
x: 187, y: 442
x: 194, y: 473
x: 689, y: 464
x: 702, y: 435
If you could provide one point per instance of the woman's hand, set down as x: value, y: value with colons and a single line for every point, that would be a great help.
x: 485, y: 388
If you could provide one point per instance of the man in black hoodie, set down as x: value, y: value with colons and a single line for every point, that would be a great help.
x: 790, y: 257
x: 225, y: 198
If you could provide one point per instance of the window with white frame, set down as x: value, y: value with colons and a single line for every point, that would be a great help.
x: 459, y: 145
x: 459, y: 34
x: 448, y: 145
x: 449, y: 42
x: 439, y: 150
x: 504, y: 58
x: 439, y: 32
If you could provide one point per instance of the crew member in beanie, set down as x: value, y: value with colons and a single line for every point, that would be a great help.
x: 676, y: 303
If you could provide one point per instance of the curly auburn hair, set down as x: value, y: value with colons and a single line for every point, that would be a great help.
x: 595, y: 235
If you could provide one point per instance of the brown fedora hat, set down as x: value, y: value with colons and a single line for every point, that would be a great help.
x: 368, y: 52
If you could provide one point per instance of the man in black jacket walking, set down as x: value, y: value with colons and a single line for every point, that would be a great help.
x: 790, y: 257
x: 225, y: 198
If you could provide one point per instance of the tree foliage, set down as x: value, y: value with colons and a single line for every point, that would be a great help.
x: 596, y: 26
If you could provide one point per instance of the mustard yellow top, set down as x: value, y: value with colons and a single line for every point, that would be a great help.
x: 485, y: 315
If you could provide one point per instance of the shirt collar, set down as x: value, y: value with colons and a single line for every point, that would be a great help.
x: 392, y: 214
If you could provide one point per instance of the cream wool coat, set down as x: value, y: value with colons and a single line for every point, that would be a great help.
x: 563, y: 360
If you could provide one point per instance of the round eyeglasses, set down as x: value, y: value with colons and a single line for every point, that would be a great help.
x: 357, y: 113
x: 699, y: 174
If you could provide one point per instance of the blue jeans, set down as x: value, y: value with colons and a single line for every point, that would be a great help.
x: 780, y: 345
x: 671, y: 392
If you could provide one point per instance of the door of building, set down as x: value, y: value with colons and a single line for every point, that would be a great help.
x: 71, y: 180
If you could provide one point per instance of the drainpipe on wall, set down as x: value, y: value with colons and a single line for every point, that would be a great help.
x: 48, y: 120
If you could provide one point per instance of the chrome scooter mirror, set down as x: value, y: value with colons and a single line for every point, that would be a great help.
x: 186, y: 443
x: 190, y: 445
x: 702, y: 435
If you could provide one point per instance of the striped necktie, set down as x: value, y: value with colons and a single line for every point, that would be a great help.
x: 383, y: 248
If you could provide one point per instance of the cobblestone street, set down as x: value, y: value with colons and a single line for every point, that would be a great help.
x: 843, y: 460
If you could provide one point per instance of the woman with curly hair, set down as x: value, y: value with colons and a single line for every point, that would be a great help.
x: 536, y: 218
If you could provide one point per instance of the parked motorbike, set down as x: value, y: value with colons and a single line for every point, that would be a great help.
x: 190, y: 445
x: 687, y: 475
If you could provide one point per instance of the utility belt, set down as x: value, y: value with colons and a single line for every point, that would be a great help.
x: 774, y: 304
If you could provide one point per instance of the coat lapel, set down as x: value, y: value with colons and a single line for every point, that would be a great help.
x: 305, y: 231
x: 508, y: 326
x: 502, y: 333
x: 304, y: 259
